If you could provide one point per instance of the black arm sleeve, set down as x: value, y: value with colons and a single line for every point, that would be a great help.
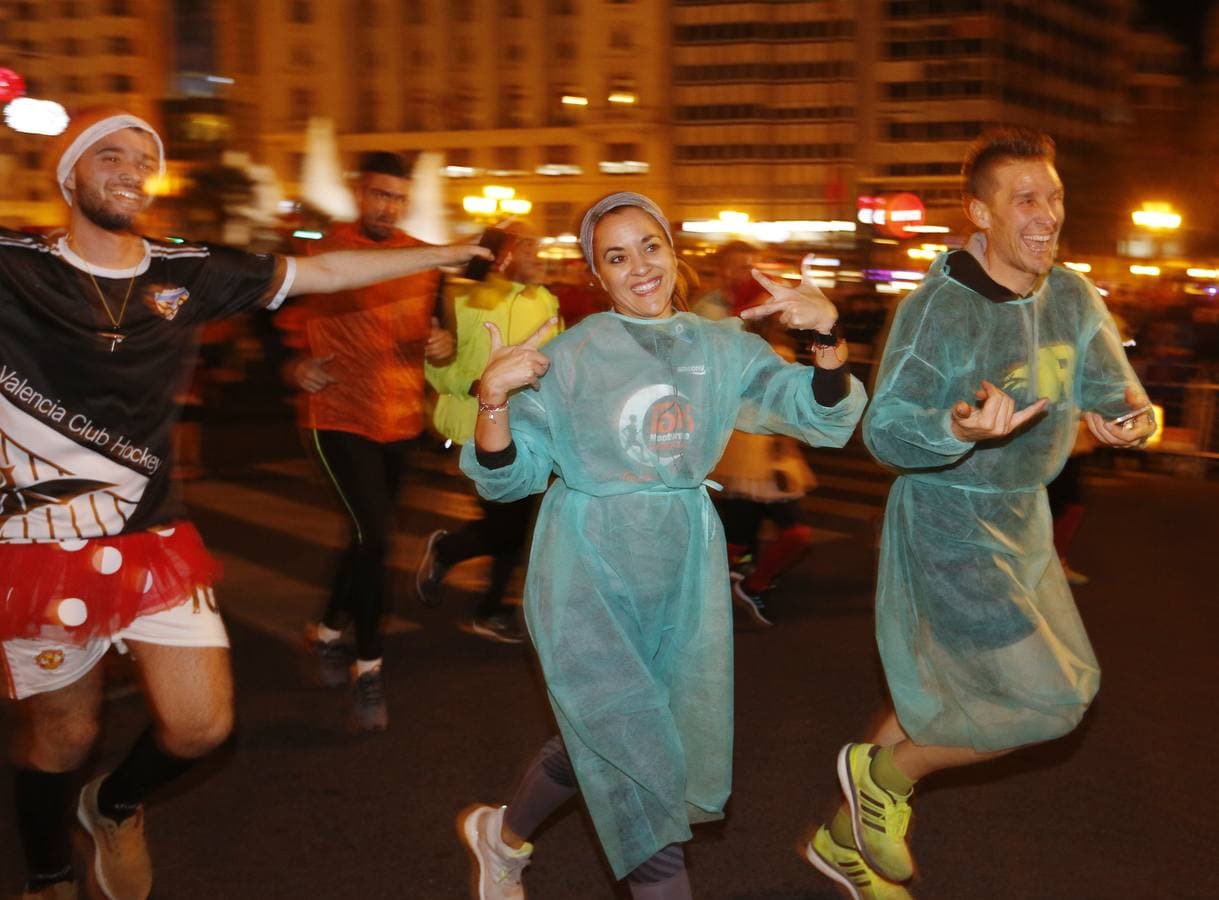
x: 831, y: 385
x: 496, y: 459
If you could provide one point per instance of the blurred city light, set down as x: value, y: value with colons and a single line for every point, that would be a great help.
x: 1078, y: 267
x: 927, y: 251
x: 553, y: 169
x: 770, y: 232
x: 496, y: 200
x: 892, y: 275
x: 624, y: 167
x: 1207, y: 274
x: 12, y: 85
x: 894, y: 214
x: 517, y: 206
x: 162, y: 184
x: 478, y: 206
x: 30, y: 116
x: 1149, y: 271
x: 624, y: 97
x: 574, y: 100
x: 1157, y: 216
x: 307, y: 234
x: 1158, y: 435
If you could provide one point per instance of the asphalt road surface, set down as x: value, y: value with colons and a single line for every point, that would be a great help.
x: 299, y: 807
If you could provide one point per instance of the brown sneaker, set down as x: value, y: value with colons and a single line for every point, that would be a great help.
x: 120, y: 862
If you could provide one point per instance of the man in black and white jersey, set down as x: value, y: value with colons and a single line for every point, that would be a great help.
x: 96, y: 329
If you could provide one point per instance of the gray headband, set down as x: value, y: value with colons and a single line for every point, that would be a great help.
x: 608, y: 204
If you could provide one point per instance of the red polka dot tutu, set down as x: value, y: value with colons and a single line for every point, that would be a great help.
x: 80, y: 589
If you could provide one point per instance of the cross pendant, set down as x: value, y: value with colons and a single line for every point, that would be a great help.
x: 113, y: 337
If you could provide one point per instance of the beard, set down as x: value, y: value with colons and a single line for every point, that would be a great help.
x: 377, y: 229
x: 94, y: 209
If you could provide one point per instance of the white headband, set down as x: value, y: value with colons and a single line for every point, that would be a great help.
x: 96, y: 132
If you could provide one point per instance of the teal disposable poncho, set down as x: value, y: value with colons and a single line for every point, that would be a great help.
x: 627, y: 596
x: 981, y: 642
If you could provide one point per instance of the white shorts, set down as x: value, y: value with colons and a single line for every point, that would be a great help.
x: 37, y: 665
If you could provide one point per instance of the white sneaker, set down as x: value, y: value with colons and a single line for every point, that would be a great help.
x: 752, y: 605
x: 499, y: 866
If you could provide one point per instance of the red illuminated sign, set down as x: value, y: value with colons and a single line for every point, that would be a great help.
x: 12, y: 85
x: 892, y: 214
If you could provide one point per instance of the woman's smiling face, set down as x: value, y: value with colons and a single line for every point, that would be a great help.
x: 635, y: 263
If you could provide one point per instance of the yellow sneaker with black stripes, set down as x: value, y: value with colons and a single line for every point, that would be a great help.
x: 845, y: 866
x: 879, y: 819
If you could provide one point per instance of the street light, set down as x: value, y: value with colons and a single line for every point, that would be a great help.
x: 495, y: 202
x: 1157, y: 217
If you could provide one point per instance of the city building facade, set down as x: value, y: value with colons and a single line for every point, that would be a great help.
x: 79, y: 53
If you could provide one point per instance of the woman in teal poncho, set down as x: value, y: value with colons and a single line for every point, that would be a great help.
x: 627, y: 596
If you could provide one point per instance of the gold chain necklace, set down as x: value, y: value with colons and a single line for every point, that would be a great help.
x: 114, y: 337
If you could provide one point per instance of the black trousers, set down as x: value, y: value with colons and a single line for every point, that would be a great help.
x: 366, y: 475
x: 743, y: 518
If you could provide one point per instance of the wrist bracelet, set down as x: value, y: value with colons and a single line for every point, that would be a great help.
x: 490, y: 410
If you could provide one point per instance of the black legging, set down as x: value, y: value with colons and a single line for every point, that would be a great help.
x: 366, y: 474
x: 501, y: 533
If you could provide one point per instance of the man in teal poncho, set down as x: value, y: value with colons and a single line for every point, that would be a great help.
x: 986, y: 372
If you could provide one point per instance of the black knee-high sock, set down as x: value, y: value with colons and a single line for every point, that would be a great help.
x: 548, y: 783
x: 43, y: 801
x: 146, y: 768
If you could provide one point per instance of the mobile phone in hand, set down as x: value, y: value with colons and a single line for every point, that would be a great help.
x: 1130, y: 419
x: 494, y: 240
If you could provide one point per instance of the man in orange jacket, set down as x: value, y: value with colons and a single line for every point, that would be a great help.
x: 363, y: 408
